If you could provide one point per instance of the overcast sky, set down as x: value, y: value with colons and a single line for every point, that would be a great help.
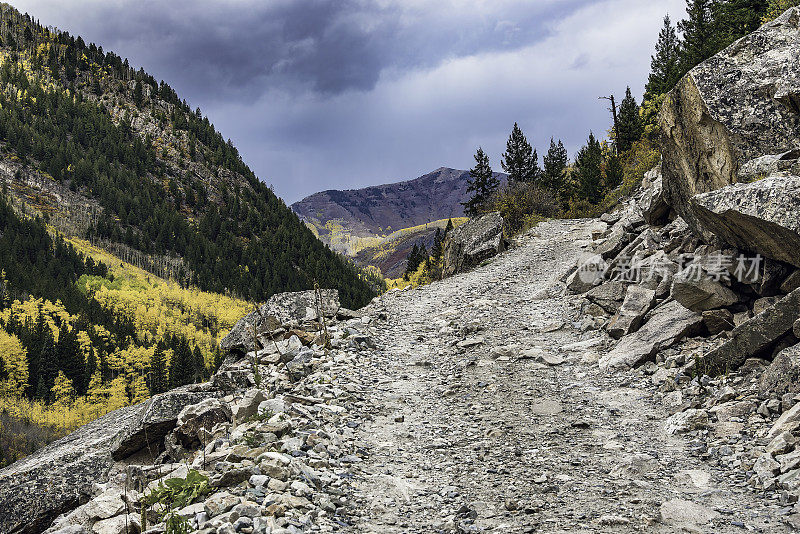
x: 338, y: 94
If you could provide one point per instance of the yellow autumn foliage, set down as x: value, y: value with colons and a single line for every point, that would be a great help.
x: 15, y: 363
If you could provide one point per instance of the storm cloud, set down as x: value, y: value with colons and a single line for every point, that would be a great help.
x: 321, y: 94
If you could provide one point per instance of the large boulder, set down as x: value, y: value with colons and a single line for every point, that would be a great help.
x: 740, y: 105
x: 756, y: 336
x: 638, y: 301
x: 59, y: 477
x: 667, y: 324
x: 283, y: 308
x: 761, y: 216
x: 782, y: 376
x: 608, y: 296
x: 699, y: 291
x: 655, y: 208
x: 473, y: 242
x: 158, y: 417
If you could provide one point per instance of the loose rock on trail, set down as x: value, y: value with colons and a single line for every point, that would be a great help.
x: 491, y: 436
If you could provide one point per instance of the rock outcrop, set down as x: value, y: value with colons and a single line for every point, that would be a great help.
x: 283, y: 308
x: 760, y: 217
x: 60, y: 476
x: 473, y: 242
x: 737, y: 106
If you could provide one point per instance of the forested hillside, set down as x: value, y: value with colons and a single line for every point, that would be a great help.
x: 132, y: 237
x: 158, y: 177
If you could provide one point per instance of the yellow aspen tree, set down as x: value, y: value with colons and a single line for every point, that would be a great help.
x: 62, y: 390
x: 15, y: 363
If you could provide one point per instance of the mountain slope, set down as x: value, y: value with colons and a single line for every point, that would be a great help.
x: 132, y: 237
x: 129, y: 164
x: 358, y: 218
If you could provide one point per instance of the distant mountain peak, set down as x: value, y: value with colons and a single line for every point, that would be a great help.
x: 342, y: 217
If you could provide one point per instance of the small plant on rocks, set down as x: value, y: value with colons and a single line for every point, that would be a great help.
x: 174, y: 494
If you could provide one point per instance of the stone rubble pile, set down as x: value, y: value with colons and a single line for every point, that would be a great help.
x: 698, y: 275
x: 276, y: 441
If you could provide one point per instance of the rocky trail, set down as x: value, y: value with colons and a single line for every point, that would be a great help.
x: 471, y: 429
x: 637, y: 372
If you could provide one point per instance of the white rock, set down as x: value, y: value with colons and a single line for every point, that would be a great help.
x: 692, y: 419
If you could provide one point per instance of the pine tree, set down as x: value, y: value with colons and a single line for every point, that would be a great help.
x: 412, y: 262
x: 700, y: 34
x: 664, y: 69
x: 217, y: 359
x: 159, y: 381
x: 589, y: 172
x: 138, y: 97
x: 737, y: 18
x: 630, y: 123
x: 449, y: 227
x: 555, y: 163
x: 70, y: 358
x: 614, y: 172
x: 438, y: 241
x: 48, y: 369
x: 199, y: 365
x: 482, y: 184
x: 520, y: 160
x: 37, y: 338
x: 182, y: 366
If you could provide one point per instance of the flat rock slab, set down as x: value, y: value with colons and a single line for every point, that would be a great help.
x: 756, y: 335
x: 668, y: 324
x: 547, y: 407
x: 683, y: 513
x: 761, y: 216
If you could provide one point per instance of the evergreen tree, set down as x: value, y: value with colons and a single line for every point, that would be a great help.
x: 182, y: 365
x: 482, y: 184
x: 412, y: 262
x: 199, y: 365
x: 664, y: 68
x: 449, y: 227
x: 70, y: 358
x: 520, y: 160
x: 218, y: 359
x: 589, y: 171
x: 138, y: 97
x: 630, y: 123
x: 35, y: 340
x: 48, y: 369
x: 700, y: 34
x: 737, y: 18
x: 159, y: 381
x: 614, y: 172
x: 555, y: 163
x: 438, y: 241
